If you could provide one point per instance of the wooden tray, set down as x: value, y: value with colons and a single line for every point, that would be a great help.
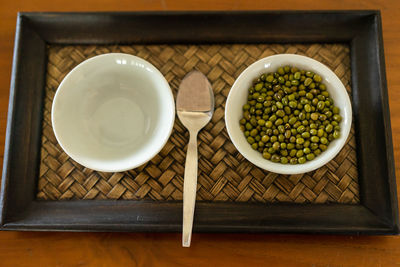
x: 356, y: 189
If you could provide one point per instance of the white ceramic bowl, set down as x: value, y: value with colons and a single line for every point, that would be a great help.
x: 238, y: 97
x: 113, y: 112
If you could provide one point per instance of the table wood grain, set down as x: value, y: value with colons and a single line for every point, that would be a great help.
x: 152, y: 249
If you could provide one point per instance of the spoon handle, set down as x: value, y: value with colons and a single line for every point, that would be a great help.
x: 189, y: 189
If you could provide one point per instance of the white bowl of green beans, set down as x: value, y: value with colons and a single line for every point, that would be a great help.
x: 288, y: 114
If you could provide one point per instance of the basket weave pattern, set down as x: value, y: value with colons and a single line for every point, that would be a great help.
x: 224, y: 175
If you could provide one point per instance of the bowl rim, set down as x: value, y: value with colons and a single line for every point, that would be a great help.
x: 279, y: 168
x: 161, y: 143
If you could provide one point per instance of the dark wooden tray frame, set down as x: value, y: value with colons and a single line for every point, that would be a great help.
x: 378, y: 211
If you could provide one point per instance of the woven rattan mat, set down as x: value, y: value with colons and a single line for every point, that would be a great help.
x: 224, y: 175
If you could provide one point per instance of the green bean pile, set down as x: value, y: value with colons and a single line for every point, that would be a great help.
x: 289, y: 116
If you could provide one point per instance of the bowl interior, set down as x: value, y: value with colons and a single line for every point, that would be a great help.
x: 238, y: 97
x: 113, y: 112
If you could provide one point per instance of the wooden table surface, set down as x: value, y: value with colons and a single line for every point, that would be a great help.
x: 151, y: 249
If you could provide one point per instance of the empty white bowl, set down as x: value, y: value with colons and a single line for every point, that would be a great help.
x: 238, y: 97
x: 113, y: 112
